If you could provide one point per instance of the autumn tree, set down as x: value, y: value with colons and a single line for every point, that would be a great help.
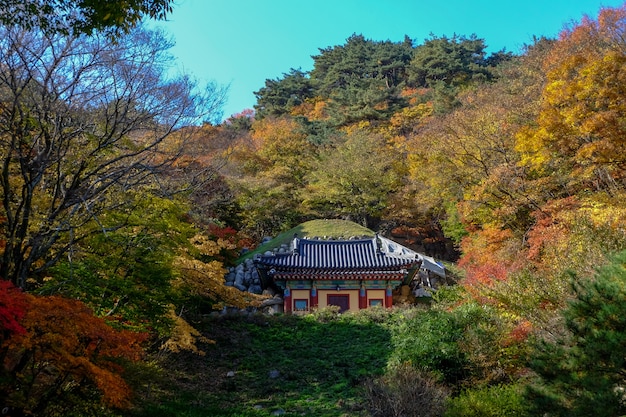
x: 578, y: 141
x: 273, y: 167
x: 80, y: 16
x: 12, y: 310
x: 66, y: 359
x: 82, y: 118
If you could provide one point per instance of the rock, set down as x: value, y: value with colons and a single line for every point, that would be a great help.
x: 421, y: 292
x: 240, y: 287
x: 272, y: 302
x: 255, y: 289
x: 278, y: 412
x: 230, y: 374
x: 274, y: 373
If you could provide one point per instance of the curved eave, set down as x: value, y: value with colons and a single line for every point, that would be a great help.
x: 340, y: 275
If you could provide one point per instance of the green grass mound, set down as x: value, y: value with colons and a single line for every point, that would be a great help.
x: 327, y: 228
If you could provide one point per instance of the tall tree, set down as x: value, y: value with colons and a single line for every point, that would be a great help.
x: 579, y: 138
x: 453, y: 61
x: 80, y: 118
x: 280, y: 96
x: 361, y: 78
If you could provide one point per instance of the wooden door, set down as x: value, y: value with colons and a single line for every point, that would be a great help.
x: 340, y: 300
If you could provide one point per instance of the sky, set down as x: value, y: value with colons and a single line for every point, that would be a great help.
x: 242, y: 43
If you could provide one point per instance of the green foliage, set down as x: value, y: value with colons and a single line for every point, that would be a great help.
x: 82, y: 16
x: 352, y: 179
x: 462, y: 344
x: 336, y: 67
x: 452, y: 226
x: 297, y: 364
x: 492, y: 401
x: 453, y: 61
x: 280, y: 96
x: 266, y: 207
x: 430, y: 342
x: 582, y: 372
x: 126, y: 272
x: 332, y: 228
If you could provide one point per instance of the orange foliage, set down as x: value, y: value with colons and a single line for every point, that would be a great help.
x: 519, y: 333
x: 548, y: 229
x: 489, y: 256
x: 66, y: 349
x: 313, y: 109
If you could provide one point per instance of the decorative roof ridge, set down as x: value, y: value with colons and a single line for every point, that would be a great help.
x: 331, y: 240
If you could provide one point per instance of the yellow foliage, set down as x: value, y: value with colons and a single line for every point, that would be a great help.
x: 184, y: 336
x: 580, y: 131
x: 206, y: 278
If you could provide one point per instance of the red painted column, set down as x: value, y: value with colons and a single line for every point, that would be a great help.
x: 314, y: 299
x: 362, y: 297
x: 388, y: 297
x: 287, y: 299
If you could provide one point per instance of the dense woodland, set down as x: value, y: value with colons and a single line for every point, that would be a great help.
x: 124, y: 199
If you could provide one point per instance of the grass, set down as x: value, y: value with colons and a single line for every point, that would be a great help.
x: 314, y: 366
x: 330, y: 228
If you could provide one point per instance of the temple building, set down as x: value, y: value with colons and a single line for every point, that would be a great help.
x: 351, y: 274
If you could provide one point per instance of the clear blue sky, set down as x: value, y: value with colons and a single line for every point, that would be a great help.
x: 242, y: 43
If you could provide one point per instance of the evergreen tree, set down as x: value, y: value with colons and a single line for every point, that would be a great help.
x: 361, y: 78
x: 280, y: 96
x: 584, y: 372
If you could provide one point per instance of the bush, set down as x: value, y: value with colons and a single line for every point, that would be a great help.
x: 494, y: 401
x: 405, y: 391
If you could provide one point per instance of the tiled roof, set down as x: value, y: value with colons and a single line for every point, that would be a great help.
x: 364, y: 254
x: 324, y: 274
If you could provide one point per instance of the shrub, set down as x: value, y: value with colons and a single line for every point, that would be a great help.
x: 494, y: 401
x: 404, y: 391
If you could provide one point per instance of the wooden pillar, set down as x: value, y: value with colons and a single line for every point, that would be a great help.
x: 388, y: 297
x: 287, y: 299
x: 314, y: 300
x: 362, y: 297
